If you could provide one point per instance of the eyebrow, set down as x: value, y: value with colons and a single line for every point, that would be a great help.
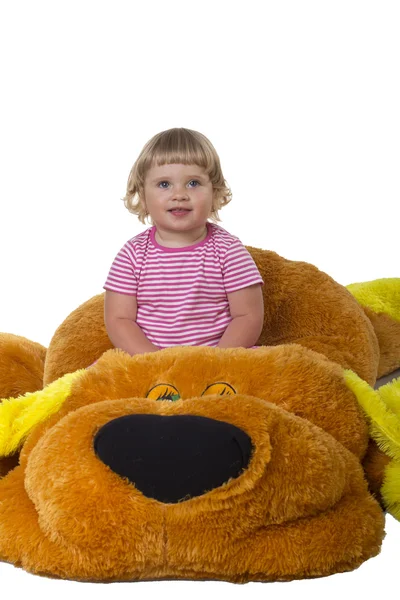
x: 189, y: 177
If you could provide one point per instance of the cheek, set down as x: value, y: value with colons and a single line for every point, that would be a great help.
x: 205, y: 196
x: 156, y: 199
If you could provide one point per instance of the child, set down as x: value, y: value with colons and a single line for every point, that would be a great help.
x: 185, y: 280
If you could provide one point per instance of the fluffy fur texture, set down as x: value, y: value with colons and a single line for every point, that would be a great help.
x: 312, y: 470
x: 381, y: 296
x: 18, y: 416
x: 383, y: 412
x: 380, y: 300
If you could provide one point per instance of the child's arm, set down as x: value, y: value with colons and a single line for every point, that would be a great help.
x: 247, y: 311
x: 120, y: 311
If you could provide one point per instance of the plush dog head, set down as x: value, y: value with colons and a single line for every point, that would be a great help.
x: 199, y: 463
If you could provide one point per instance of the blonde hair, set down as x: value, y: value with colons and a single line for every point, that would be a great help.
x: 176, y: 146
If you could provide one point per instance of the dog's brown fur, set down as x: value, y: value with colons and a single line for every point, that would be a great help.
x: 63, y: 512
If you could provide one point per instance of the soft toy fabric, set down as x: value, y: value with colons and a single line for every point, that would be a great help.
x: 207, y: 463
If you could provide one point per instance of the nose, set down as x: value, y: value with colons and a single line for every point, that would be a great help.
x: 180, y: 193
x: 173, y: 458
x: 181, y: 196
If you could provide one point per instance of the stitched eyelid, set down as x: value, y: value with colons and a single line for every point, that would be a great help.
x: 167, y: 391
x: 163, y: 391
x: 222, y: 388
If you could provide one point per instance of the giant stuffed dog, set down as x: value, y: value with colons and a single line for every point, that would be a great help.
x: 207, y: 463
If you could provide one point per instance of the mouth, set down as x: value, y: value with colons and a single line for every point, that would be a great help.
x: 179, y: 210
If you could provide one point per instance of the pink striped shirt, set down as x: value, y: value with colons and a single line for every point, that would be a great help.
x: 182, y: 292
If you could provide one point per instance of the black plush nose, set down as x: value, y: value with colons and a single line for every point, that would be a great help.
x: 173, y: 458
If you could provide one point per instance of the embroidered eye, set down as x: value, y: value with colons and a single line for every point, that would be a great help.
x: 163, y: 391
x: 221, y: 388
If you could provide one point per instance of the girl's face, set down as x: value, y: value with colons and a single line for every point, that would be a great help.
x: 178, y: 186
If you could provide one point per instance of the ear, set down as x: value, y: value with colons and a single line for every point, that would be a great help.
x: 142, y: 202
x: 18, y: 416
x: 382, y: 410
x: 217, y: 197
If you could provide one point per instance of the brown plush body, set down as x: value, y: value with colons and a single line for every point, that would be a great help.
x: 302, y: 305
x: 302, y: 507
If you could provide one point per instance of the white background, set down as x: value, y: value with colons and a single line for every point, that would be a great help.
x: 301, y: 101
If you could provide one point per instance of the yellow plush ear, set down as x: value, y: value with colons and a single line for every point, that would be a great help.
x: 382, y: 408
x: 380, y: 295
x: 18, y: 416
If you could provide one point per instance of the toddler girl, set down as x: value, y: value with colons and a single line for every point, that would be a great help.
x: 185, y: 280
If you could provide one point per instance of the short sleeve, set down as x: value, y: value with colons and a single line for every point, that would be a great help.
x: 239, y: 269
x: 121, y: 276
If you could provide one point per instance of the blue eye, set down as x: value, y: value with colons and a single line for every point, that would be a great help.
x: 194, y: 180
